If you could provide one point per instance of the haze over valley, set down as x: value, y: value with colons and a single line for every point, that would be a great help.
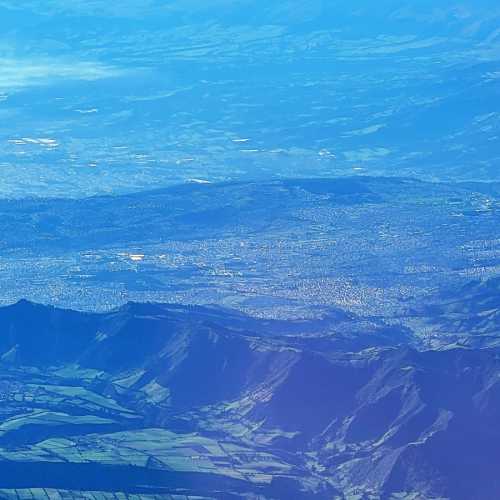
x: 249, y: 250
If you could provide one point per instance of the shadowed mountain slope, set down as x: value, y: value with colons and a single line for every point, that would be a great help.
x: 314, y: 411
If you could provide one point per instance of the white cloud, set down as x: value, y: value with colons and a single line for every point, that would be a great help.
x: 17, y: 74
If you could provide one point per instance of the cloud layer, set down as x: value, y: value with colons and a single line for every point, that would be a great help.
x: 17, y: 74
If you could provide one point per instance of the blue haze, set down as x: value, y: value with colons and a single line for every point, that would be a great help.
x: 249, y: 250
x: 147, y: 95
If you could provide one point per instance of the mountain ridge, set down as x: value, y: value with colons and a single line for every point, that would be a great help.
x: 315, y: 415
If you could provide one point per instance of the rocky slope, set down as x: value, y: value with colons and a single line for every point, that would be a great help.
x: 155, y: 400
